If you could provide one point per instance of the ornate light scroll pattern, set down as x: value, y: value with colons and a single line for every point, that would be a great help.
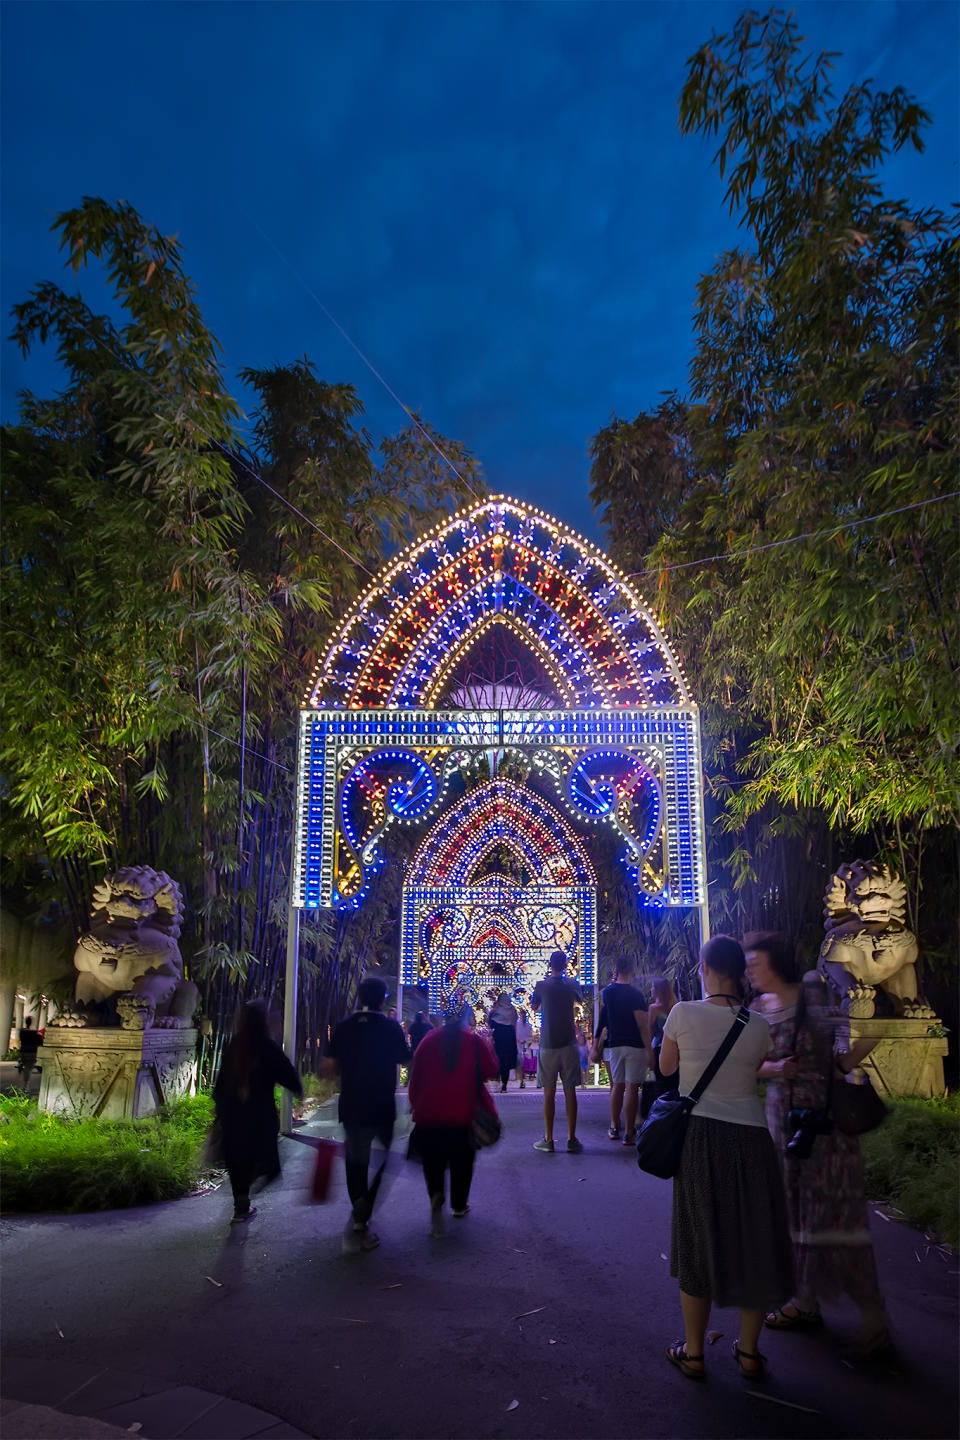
x: 637, y: 772
x: 499, y: 562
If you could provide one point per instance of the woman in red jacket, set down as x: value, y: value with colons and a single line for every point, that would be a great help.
x: 444, y: 1092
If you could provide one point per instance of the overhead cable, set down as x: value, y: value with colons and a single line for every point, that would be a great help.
x: 369, y: 363
x: 792, y: 539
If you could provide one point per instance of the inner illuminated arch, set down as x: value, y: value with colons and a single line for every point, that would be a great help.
x: 501, y: 812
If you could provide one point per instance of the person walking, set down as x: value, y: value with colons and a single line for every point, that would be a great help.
x: 662, y: 1003
x: 503, y: 1027
x: 556, y: 997
x: 419, y: 1027
x: 253, y: 1063
x: 730, y: 1242
x: 822, y: 1167
x: 364, y: 1052
x: 583, y: 1050
x: 30, y: 1042
x: 446, y: 1086
x: 524, y: 1042
x: 624, y: 1017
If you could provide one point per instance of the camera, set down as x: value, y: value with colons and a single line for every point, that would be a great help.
x: 806, y: 1126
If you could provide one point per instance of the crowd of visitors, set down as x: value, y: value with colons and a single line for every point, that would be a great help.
x: 769, y: 1206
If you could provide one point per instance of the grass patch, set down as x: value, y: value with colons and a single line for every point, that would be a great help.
x: 52, y: 1163
x: 315, y: 1091
x: 912, y: 1161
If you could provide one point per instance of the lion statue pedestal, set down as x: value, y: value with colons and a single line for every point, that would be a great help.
x: 116, y: 1074
x: 129, y: 959
x: 907, y: 1059
x: 868, y: 955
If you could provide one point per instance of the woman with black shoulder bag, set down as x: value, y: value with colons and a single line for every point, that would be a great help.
x: 730, y: 1243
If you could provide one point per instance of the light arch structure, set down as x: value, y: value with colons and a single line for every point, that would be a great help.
x: 499, y: 562
x: 616, y: 742
x: 468, y: 933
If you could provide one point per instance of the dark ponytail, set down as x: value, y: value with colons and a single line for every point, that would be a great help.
x: 724, y: 956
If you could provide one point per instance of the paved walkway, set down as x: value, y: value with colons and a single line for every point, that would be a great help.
x: 553, y: 1293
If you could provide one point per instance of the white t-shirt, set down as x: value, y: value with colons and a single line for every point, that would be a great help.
x: 697, y: 1028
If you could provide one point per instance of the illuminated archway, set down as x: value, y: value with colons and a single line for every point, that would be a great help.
x: 387, y: 738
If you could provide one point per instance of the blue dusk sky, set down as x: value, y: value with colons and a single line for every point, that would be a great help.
x: 493, y: 199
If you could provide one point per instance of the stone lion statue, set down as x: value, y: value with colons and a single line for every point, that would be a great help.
x: 131, y: 950
x: 867, y: 945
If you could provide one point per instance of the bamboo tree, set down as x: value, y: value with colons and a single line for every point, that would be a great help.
x: 822, y: 644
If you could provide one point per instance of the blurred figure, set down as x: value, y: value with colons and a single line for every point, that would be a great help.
x: 364, y: 1052
x: 822, y: 1168
x: 252, y: 1065
x: 503, y: 1026
x: 419, y: 1027
x: 524, y: 1043
x: 30, y: 1042
x: 556, y: 997
x: 583, y: 1050
x: 446, y: 1085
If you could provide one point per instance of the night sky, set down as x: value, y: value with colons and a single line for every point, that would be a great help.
x: 493, y: 199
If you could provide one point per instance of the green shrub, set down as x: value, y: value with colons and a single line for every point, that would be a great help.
x: 912, y: 1161
x: 53, y: 1163
x: 317, y: 1089
x: 192, y: 1114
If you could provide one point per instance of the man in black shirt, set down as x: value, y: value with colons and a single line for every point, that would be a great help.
x: 624, y: 1017
x: 365, y: 1051
x: 555, y: 997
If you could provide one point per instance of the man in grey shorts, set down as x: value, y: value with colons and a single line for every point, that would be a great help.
x: 555, y: 996
x: 624, y: 1017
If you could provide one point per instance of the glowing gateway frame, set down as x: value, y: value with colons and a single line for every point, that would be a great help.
x: 375, y: 751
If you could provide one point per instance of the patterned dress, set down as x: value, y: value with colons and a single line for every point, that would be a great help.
x: 826, y: 1198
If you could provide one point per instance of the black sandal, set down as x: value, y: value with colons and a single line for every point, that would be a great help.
x: 741, y: 1355
x: 677, y: 1355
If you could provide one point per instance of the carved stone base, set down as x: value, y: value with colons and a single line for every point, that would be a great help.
x: 907, y: 1059
x: 117, y: 1074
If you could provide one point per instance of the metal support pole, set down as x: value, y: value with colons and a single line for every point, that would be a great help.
x: 703, y: 914
x: 290, y: 992
x: 596, y: 1017
x: 400, y: 1001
